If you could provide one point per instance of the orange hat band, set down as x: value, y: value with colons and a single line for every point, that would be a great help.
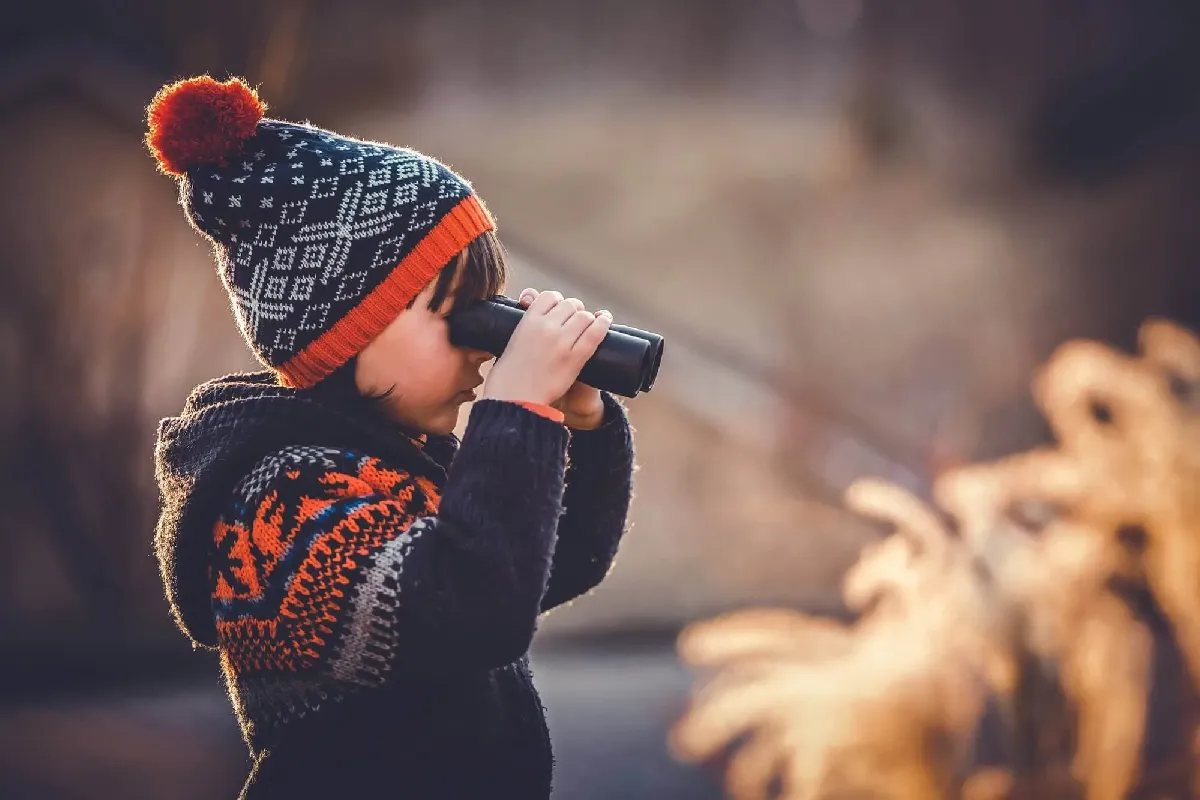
x: 358, y: 328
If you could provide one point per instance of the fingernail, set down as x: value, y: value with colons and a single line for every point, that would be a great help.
x: 606, y: 313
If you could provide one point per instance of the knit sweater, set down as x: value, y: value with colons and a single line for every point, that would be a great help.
x: 372, y: 597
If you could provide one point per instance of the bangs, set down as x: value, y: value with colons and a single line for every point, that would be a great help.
x: 479, y: 274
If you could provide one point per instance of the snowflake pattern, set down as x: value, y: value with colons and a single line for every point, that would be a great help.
x: 322, y: 237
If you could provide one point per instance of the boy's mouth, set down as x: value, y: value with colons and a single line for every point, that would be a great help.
x: 467, y: 395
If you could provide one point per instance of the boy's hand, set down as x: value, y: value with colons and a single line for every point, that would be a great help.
x: 581, y: 405
x: 553, y: 341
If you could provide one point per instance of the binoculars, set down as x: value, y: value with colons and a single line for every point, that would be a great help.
x: 625, y: 363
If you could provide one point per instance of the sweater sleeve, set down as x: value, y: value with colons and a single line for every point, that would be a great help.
x: 598, y: 494
x: 338, y: 560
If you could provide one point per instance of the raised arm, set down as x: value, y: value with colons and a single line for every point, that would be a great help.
x: 599, y: 490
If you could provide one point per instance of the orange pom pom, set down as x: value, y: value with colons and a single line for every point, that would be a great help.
x: 201, y: 121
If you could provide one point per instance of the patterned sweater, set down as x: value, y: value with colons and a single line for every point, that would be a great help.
x: 373, y: 600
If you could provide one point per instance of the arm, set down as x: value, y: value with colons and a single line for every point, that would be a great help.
x: 599, y: 489
x: 349, y: 564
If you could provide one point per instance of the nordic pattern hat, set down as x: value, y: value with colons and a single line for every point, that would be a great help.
x: 320, y: 239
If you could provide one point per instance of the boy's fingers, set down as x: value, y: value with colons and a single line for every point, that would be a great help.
x: 527, y: 296
x: 591, y: 336
x: 566, y: 309
x: 544, y: 302
x: 574, y: 327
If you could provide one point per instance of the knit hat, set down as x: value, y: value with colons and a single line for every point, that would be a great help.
x: 320, y: 239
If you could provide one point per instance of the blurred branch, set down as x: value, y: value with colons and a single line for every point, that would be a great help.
x: 277, y: 68
x: 833, y: 426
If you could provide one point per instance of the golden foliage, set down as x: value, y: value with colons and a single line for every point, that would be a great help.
x: 1040, y: 564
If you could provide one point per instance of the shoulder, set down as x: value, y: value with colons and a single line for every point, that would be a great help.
x: 293, y: 463
x: 300, y: 471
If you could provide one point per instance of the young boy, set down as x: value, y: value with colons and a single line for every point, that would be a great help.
x: 371, y: 584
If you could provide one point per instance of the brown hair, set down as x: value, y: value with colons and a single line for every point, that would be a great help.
x: 479, y: 271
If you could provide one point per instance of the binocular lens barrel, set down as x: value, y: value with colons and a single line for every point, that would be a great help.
x: 625, y: 363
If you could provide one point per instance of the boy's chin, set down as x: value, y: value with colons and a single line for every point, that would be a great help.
x: 437, y: 424
x: 443, y: 424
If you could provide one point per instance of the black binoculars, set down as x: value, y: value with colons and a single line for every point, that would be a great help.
x: 625, y: 363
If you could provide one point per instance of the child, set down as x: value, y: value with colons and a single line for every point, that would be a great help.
x: 372, y: 593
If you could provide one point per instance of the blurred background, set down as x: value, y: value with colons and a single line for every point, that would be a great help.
x: 860, y: 225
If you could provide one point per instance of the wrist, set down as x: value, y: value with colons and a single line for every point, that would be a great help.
x: 542, y: 410
x: 511, y: 397
x: 588, y: 421
x: 611, y: 418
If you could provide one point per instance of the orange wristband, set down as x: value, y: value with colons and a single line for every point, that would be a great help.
x: 549, y: 412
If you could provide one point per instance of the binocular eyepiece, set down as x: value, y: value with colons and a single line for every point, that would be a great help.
x: 625, y: 363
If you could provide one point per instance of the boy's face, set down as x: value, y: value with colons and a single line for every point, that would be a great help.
x: 429, y: 378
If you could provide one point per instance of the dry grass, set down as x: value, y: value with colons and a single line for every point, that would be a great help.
x: 1049, y: 567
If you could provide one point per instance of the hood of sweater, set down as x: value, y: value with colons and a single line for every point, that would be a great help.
x: 227, y: 426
